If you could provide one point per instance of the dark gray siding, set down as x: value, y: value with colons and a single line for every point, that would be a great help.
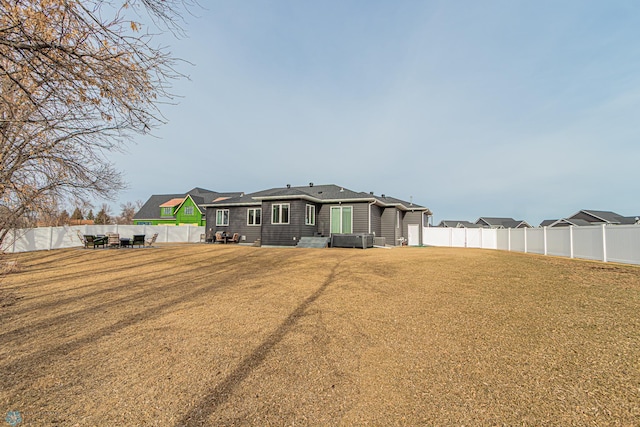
x: 360, y: 218
x: 376, y: 220
x: 390, y: 229
x: 286, y: 234
x: 237, y: 223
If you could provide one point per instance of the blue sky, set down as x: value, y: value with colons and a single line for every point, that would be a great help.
x: 472, y: 108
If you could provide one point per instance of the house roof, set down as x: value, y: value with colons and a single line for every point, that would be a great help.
x: 200, y: 196
x: 172, y: 203
x: 565, y: 222
x: 608, y: 217
x: 318, y: 194
x: 497, y: 222
x: 458, y: 224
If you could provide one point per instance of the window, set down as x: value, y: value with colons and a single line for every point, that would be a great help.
x: 280, y: 213
x: 254, y: 216
x: 222, y: 217
x: 167, y: 211
x: 310, y: 215
x: 341, y: 219
x: 188, y: 210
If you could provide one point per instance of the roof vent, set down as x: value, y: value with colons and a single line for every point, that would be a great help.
x: 311, y: 184
x: 382, y: 195
x: 371, y: 192
x: 341, y: 189
x: 288, y: 185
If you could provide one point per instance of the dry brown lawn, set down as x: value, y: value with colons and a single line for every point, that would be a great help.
x: 230, y: 335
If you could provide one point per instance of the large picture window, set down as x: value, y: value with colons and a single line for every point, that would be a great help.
x: 254, y: 216
x: 280, y: 213
x: 341, y: 219
x: 222, y: 217
x: 310, y: 215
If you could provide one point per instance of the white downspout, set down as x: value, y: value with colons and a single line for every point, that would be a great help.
x: 371, y: 203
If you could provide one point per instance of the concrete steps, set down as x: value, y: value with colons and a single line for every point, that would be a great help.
x: 313, y: 242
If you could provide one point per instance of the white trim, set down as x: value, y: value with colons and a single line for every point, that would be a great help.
x: 288, y: 205
x: 254, y: 217
x: 222, y: 224
x: 341, y: 207
x: 306, y: 215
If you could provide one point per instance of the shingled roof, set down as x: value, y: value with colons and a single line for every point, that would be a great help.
x: 316, y: 193
x: 200, y: 196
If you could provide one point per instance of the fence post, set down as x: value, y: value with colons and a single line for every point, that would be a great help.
x: 604, y: 242
x: 509, y: 239
x: 50, y: 238
x: 525, y: 240
x: 571, y: 241
x: 188, y: 234
x: 544, y: 239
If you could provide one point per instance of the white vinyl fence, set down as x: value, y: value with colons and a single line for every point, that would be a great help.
x: 616, y: 243
x: 46, y: 238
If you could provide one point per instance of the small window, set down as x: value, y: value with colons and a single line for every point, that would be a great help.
x: 280, y: 213
x: 222, y: 217
x: 167, y: 211
x: 188, y: 210
x: 254, y: 216
x: 310, y: 215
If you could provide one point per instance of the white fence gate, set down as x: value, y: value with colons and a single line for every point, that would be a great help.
x: 617, y: 243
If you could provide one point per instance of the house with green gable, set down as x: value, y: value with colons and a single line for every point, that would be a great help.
x: 178, y: 209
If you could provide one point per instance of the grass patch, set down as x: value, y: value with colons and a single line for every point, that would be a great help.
x: 232, y: 335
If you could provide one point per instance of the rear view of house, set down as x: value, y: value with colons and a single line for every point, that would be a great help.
x: 282, y: 216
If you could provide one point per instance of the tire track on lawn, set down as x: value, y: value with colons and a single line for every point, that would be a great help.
x: 221, y: 392
x: 32, y: 363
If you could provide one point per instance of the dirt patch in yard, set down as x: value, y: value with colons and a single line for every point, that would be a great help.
x: 232, y: 335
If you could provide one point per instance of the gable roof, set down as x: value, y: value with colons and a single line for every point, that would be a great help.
x: 200, y: 196
x: 458, y: 224
x: 608, y: 217
x: 318, y: 194
x: 173, y: 202
x: 497, y: 222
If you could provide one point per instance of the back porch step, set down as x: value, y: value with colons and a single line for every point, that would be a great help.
x: 313, y: 242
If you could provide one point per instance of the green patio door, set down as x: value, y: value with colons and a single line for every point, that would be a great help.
x: 341, y: 219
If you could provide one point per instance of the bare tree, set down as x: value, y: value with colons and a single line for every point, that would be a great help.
x: 78, y: 78
x: 129, y: 209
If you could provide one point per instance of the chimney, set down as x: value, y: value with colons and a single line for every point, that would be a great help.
x: 382, y: 195
x: 371, y: 192
x: 311, y: 184
x: 288, y: 185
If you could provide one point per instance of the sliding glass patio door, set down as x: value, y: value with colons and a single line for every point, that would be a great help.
x: 341, y: 219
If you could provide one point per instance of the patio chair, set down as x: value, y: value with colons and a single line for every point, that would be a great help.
x: 235, y: 238
x: 99, y: 241
x: 152, y: 240
x: 113, y: 240
x: 87, y: 240
x: 138, y: 239
x: 219, y: 237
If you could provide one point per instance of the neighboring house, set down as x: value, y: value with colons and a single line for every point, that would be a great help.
x: 458, y: 224
x: 590, y: 217
x: 178, y: 209
x: 602, y: 217
x: 489, y: 222
x: 281, y: 216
